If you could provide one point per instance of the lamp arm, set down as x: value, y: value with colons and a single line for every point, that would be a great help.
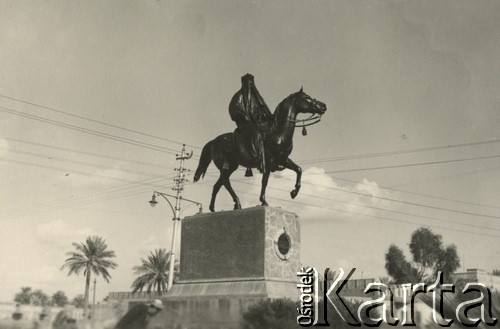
x: 192, y: 201
x: 165, y: 197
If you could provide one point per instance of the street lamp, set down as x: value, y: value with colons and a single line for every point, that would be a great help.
x: 153, y: 201
x: 176, y: 212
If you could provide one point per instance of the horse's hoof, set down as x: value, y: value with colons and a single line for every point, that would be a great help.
x: 293, y: 194
x: 264, y: 204
x: 212, y: 209
x: 237, y: 207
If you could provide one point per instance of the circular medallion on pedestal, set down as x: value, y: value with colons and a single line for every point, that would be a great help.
x: 282, y: 245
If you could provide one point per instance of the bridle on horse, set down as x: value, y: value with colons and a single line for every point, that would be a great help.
x: 313, y: 119
x: 303, y: 123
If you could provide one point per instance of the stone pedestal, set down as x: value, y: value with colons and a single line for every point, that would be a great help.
x: 229, y: 261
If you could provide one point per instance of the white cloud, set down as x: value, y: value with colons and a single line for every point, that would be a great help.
x: 322, y: 198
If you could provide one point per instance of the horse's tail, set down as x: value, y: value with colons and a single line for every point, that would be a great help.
x: 205, y: 159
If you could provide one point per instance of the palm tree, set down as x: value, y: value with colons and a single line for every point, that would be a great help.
x: 38, y: 297
x: 153, y: 272
x: 24, y: 297
x: 91, y: 256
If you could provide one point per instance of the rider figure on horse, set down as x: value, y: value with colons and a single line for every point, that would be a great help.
x: 252, y: 116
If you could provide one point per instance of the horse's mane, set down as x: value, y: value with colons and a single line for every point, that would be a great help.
x: 281, y: 105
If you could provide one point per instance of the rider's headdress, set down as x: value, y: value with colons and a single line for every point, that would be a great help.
x: 246, y: 78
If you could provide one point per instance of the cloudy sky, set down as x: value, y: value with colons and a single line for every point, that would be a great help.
x: 97, y: 97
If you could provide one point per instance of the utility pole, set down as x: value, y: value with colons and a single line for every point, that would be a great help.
x: 179, y: 187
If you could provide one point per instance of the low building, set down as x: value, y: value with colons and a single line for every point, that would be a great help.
x: 460, y: 279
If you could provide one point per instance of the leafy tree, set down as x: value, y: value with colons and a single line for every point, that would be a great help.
x: 399, y: 269
x: 24, y: 297
x: 59, y: 298
x: 79, y: 301
x: 38, y: 297
x: 423, y: 247
x: 153, y: 272
x: 429, y: 257
x: 92, y: 256
x: 448, y: 261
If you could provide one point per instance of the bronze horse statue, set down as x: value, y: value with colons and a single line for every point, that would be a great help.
x: 228, y: 151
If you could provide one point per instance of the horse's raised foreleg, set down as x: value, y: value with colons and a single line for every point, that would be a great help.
x: 289, y: 164
x: 229, y: 188
x: 218, y: 184
x: 265, y: 179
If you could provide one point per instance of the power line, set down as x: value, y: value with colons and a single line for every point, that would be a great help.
x: 44, y: 210
x: 143, y: 163
x: 382, y: 209
x: 456, y: 174
x: 70, y: 171
x: 400, y: 212
x: 95, y: 165
x: 114, y: 197
x: 124, y: 189
x: 90, y: 197
x: 79, y: 172
x: 92, y: 120
x: 378, y: 208
x: 418, y: 194
x: 113, y: 190
x: 90, y: 131
x: 416, y: 150
x: 412, y: 164
x: 320, y: 160
x: 65, y: 170
x: 127, y: 193
x: 303, y: 162
x: 410, y: 203
x: 394, y: 152
x: 401, y: 221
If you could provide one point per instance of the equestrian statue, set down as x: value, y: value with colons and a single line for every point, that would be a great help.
x: 262, y: 139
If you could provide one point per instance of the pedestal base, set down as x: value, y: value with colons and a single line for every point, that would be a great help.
x: 230, y: 261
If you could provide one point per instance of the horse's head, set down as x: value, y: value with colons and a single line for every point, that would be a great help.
x: 304, y: 103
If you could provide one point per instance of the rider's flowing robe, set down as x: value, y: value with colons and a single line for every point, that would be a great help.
x: 252, y: 116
